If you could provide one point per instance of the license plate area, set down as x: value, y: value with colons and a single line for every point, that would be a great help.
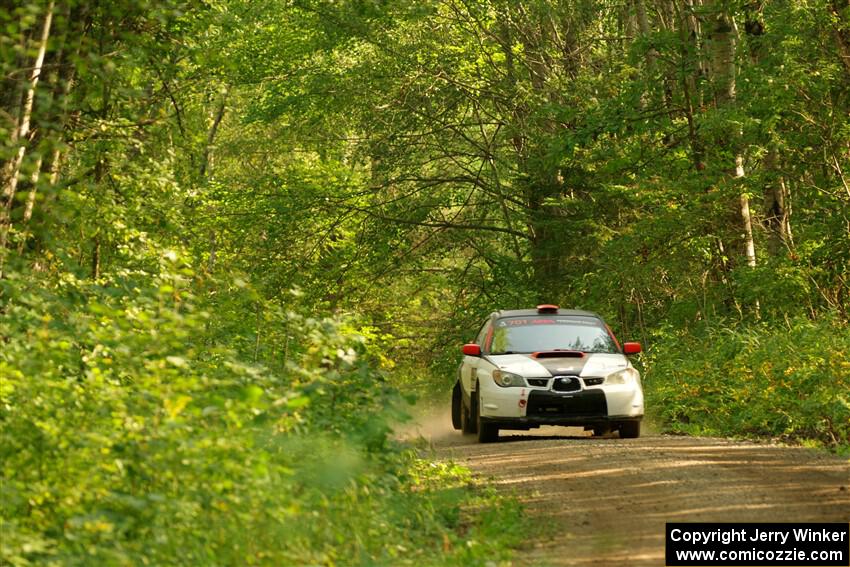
x: 552, y: 404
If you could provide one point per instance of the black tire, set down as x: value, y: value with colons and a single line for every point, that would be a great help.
x: 601, y: 430
x: 487, y: 432
x: 457, y: 403
x: 467, y: 422
x: 630, y: 430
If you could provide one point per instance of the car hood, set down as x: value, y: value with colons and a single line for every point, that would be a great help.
x: 591, y: 364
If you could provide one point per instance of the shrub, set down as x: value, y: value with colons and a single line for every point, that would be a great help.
x: 789, y: 382
x: 131, y: 435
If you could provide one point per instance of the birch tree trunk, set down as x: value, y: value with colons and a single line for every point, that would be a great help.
x: 30, y: 204
x: 216, y: 119
x: 747, y: 221
x: 207, y: 163
x: 61, y: 80
x: 723, y: 67
x: 13, y: 170
x: 774, y: 194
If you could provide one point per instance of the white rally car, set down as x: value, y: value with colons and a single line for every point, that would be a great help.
x: 547, y: 366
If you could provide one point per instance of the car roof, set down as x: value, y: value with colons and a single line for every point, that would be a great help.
x: 534, y: 312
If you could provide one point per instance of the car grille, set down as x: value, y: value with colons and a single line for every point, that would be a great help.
x: 558, y: 386
x: 566, y: 384
x: 548, y: 404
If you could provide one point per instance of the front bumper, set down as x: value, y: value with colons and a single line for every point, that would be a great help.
x: 522, y: 408
x: 536, y: 421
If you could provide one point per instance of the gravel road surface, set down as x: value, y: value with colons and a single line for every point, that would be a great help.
x: 604, y: 501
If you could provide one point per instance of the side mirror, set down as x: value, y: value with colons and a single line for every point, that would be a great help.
x: 472, y: 349
x: 631, y: 348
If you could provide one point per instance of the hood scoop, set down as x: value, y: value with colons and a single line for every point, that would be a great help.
x: 558, y: 354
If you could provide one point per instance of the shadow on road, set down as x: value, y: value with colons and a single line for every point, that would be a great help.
x: 604, y: 501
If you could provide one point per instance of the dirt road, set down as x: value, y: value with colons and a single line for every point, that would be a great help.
x: 605, y: 501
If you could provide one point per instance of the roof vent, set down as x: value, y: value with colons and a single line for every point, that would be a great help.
x: 546, y: 308
x: 558, y: 354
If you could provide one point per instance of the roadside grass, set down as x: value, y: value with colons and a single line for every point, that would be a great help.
x: 487, y: 526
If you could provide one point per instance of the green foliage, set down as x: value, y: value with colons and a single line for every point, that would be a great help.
x: 130, y: 435
x: 790, y: 383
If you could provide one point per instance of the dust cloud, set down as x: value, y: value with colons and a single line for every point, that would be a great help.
x: 430, y: 422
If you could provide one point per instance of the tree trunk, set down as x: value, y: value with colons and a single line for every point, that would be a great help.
x: 95, y: 258
x: 13, y: 169
x: 841, y: 11
x: 746, y: 220
x: 643, y: 26
x: 777, y: 215
x: 723, y: 67
x: 30, y: 204
x: 722, y: 45
x: 777, y: 220
x: 61, y: 81
x: 690, y: 71
x: 693, y: 26
x: 542, y: 179
x: 211, y: 134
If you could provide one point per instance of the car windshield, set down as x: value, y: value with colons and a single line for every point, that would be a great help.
x: 542, y: 333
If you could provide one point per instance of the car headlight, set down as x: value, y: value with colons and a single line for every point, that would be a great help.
x: 507, y: 379
x: 624, y: 376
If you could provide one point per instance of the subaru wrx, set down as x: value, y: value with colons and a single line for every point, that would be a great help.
x: 547, y: 366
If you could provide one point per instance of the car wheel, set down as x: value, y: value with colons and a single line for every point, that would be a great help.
x: 487, y: 432
x: 601, y: 430
x: 467, y: 422
x: 630, y: 430
x: 457, y: 403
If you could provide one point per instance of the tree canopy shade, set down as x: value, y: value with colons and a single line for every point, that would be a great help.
x: 228, y: 225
